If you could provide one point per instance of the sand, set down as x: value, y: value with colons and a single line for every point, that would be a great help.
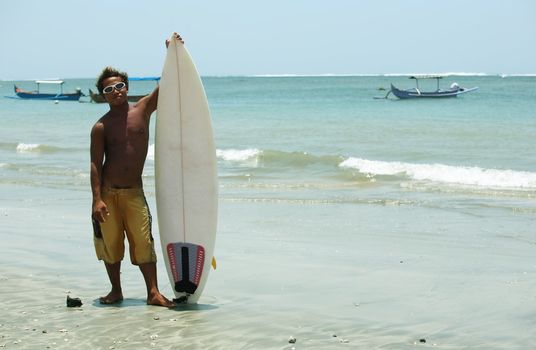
x: 290, y: 276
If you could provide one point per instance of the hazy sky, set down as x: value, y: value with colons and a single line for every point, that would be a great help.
x: 75, y: 39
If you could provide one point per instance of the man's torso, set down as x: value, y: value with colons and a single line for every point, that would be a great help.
x: 126, y: 140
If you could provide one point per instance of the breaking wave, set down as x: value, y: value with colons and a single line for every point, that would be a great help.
x: 34, y: 148
x: 283, y: 163
x: 440, y: 173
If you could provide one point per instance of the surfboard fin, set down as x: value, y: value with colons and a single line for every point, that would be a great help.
x: 214, y: 264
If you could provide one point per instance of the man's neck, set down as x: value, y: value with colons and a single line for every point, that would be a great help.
x: 122, y: 108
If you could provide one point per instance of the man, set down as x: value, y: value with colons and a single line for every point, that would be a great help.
x: 119, y: 143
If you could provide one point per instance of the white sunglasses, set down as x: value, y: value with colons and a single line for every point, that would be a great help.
x: 117, y: 86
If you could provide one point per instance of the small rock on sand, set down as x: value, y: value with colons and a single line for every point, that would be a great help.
x: 292, y: 340
x: 73, y: 302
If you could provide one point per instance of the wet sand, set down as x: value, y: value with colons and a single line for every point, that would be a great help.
x: 327, y: 276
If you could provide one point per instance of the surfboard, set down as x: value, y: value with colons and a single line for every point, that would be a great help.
x: 185, y: 175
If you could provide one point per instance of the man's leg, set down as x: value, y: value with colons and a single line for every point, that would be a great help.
x: 114, y: 274
x: 153, y: 294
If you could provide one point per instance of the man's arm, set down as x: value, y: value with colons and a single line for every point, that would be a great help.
x: 149, y: 102
x: 99, y: 209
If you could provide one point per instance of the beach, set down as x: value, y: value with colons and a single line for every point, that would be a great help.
x: 344, y: 222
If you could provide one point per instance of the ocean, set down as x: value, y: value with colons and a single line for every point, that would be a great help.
x: 345, y: 220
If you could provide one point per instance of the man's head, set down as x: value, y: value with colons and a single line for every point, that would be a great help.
x: 110, y: 72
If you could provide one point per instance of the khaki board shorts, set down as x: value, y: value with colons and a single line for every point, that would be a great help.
x: 130, y: 216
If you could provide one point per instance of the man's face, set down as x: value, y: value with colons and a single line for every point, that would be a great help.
x: 117, y: 96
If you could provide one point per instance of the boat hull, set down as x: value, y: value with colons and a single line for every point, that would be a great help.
x: 63, y: 97
x: 414, y: 93
x: 28, y: 95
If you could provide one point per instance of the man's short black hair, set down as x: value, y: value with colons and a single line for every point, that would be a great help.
x: 107, y: 73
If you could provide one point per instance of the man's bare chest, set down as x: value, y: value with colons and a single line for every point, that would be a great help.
x: 128, y: 132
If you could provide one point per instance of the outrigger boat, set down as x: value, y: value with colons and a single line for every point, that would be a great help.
x: 38, y: 95
x: 416, y: 92
x: 98, y: 98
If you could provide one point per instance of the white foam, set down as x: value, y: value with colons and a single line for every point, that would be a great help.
x: 27, y: 147
x: 443, y: 74
x: 472, y: 176
x: 238, y: 155
x: 515, y: 75
x: 230, y: 155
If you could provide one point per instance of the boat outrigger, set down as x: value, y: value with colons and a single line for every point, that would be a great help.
x: 98, y: 98
x: 416, y: 92
x: 38, y: 95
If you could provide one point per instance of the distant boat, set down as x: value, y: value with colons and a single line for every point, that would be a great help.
x: 98, y: 98
x: 416, y: 92
x: 38, y: 95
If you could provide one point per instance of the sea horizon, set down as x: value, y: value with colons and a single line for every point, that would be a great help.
x: 291, y: 75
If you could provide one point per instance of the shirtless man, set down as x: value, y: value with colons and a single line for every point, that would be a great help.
x: 119, y: 143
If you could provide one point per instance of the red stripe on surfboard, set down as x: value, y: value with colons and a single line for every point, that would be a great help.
x: 199, y: 262
x: 173, y: 262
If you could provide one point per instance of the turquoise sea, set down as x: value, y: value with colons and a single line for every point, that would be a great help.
x: 344, y: 220
x: 315, y: 139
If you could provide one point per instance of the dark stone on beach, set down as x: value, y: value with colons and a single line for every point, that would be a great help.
x: 73, y: 302
x: 292, y: 340
x: 422, y: 340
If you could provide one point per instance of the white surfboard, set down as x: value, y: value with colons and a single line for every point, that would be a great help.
x: 186, y: 178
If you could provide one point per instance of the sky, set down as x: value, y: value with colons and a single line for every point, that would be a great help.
x: 76, y: 39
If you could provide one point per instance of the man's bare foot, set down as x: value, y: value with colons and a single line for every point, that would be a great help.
x: 112, y: 298
x: 159, y: 300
